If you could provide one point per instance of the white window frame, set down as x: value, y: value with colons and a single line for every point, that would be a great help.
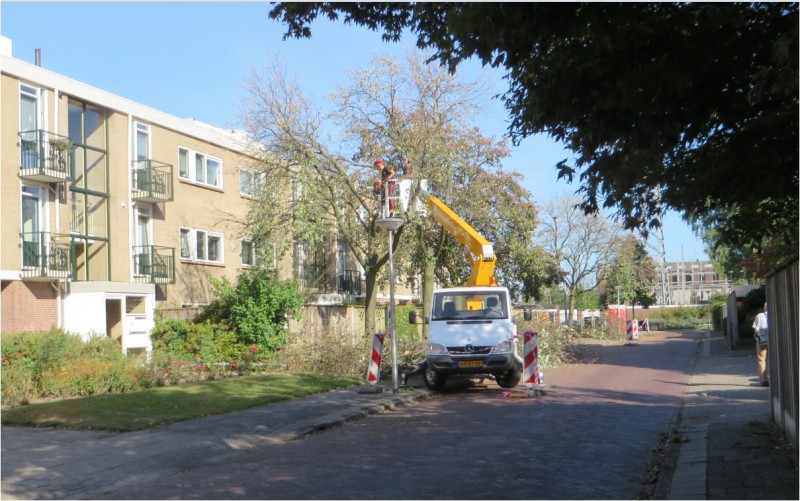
x: 188, y: 231
x: 255, y: 180
x: 253, y: 257
x: 199, y: 236
x: 190, y: 175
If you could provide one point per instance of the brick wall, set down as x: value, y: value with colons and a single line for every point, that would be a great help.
x: 28, y: 306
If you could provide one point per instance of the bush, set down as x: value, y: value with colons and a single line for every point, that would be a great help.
x: 56, y: 364
x: 185, y: 351
x: 555, y: 342
x: 683, y: 317
x: 257, y: 307
x: 333, y: 354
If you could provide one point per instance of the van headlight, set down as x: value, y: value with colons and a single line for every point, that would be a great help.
x: 436, y: 349
x: 504, y: 346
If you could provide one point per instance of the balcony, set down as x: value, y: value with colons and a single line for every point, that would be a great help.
x: 153, y: 265
x: 44, y: 257
x: 349, y: 282
x: 44, y: 156
x: 152, y: 181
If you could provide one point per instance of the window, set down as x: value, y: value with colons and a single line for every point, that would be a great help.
x: 183, y: 163
x: 186, y: 250
x: 201, y: 246
x: 31, y: 207
x: 248, y: 253
x: 250, y: 181
x: 207, y: 169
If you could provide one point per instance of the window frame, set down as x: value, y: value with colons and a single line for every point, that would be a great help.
x: 255, y: 180
x: 191, y: 173
x: 195, y: 238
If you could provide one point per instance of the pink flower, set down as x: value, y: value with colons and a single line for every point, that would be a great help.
x: 254, y: 349
x: 174, y: 362
x: 135, y: 378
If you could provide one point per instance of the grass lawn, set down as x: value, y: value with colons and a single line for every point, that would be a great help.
x: 159, y: 406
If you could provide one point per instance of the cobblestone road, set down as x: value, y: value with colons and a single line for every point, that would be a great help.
x: 590, y: 437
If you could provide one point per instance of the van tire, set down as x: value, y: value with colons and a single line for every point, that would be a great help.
x: 434, y: 380
x: 509, y: 379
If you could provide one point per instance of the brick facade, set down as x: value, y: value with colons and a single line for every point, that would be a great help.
x: 28, y: 306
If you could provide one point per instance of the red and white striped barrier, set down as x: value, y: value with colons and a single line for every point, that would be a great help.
x: 530, y: 371
x: 633, y: 331
x: 374, y: 372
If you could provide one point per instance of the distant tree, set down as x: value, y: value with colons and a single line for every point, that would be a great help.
x: 690, y: 106
x: 633, y: 270
x: 582, y: 244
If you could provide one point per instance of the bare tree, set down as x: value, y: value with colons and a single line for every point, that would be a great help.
x: 387, y: 109
x: 582, y: 243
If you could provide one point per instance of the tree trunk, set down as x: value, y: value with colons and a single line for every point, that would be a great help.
x: 428, y: 284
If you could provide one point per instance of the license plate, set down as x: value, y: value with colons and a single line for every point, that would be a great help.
x: 470, y: 363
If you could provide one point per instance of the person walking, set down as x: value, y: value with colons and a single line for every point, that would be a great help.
x: 761, y: 333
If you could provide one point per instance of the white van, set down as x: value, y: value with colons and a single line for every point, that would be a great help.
x: 472, y: 331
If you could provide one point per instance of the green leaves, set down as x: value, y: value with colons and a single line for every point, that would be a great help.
x: 257, y: 307
x: 697, y: 99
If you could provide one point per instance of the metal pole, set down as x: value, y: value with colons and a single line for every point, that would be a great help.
x: 393, y: 320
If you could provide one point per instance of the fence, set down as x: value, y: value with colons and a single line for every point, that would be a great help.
x: 319, y: 320
x: 782, y: 297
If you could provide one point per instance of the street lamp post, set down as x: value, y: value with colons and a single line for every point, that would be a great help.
x: 619, y: 321
x: 391, y: 224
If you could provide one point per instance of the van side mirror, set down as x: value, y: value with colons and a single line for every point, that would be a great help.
x: 526, y: 313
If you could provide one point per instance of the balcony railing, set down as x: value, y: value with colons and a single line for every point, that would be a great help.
x: 153, y: 265
x: 44, y: 156
x: 44, y: 257
x: 350, y: 282
x: 152, y: 181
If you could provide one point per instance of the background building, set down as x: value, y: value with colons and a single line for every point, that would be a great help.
x: 692, y: 282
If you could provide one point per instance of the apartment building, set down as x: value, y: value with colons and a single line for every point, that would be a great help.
x: 111, y: 210
x: 692, y: 282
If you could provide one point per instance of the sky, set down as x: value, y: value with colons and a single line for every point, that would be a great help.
x: 190, y: 59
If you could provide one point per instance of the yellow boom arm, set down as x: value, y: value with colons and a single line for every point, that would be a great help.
x: 479, y: 250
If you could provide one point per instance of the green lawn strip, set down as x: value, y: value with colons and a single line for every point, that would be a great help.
x: 159, y: 406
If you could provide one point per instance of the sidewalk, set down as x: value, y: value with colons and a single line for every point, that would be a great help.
x: 62, y: 464
x: 725, y: 447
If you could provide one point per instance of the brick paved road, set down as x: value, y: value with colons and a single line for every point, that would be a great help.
x: 590, y: 437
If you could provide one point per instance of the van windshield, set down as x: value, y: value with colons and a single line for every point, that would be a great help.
x: 469, y: 305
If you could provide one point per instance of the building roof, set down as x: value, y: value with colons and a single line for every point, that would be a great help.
x: 235, y: 140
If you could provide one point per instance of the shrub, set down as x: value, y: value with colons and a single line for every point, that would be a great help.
x: 56, y: 364
x: 335, y: 353
x: 683, y: 317
x: 256, y: 307
x: 555, y: 342
x: 187, y: 351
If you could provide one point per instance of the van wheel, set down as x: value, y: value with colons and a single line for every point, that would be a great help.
x: 434, y: 380
x: 511, y: 378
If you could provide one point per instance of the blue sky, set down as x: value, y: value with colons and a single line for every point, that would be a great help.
x: 190, y: 59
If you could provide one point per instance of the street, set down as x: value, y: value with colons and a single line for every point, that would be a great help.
x: 590, y: 437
